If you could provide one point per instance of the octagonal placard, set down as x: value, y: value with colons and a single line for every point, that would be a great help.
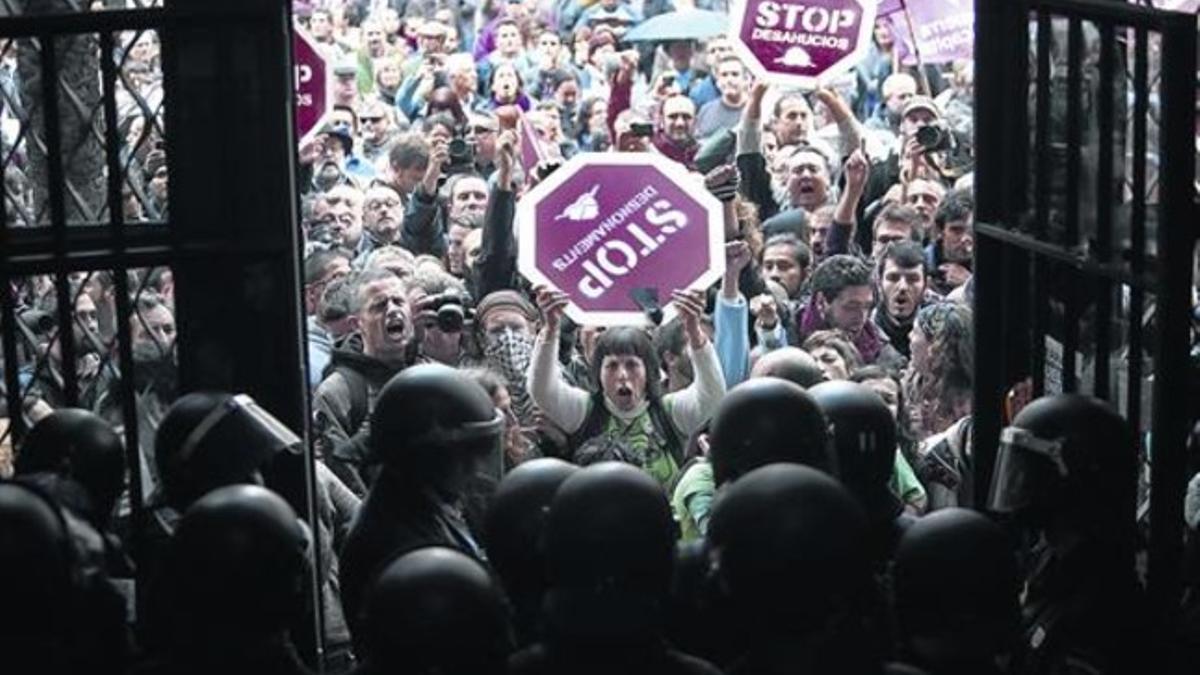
x: 801, y: 44
x: 314, y: 89
x: 608, y: 226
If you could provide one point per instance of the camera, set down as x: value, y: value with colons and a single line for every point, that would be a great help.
x: 447, y: 311
x: 934, y: 137
x: 461, y: 150
x: 645, y: 129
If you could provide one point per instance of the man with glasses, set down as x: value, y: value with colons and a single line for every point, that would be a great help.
x: 382, y: 214
x: 378, y: 132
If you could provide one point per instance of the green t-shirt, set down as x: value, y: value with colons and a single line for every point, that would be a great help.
x: 904, y: 483
x: 647, y: 444
x: 692, y: 500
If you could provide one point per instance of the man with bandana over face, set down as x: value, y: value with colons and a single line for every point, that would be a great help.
x: 506, y: 324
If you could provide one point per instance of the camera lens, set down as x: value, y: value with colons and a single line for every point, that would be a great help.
x: 457, y: 147
x: 930, y: 137
x: 450, y: 318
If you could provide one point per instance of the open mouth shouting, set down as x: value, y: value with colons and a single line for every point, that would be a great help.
x: 395, y: 326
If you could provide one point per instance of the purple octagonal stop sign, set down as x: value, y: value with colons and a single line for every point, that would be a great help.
x: 802, y: 43
x: 313, y: 87
x: 606, y: 228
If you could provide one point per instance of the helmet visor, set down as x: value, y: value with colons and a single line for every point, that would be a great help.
x: 1028, y: 471
x: 241, y: 422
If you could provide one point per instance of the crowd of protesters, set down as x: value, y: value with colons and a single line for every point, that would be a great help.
x: 774, y: 481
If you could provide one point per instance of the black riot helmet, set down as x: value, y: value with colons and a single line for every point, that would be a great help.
x: 763, y: 421
x: 955, y: 583
x: 208, y: 440
x: 609, y: 555
x: 435, y: 610
x: 790, y: 547
x: 516, y: 522
x: 79, y: 445
x: 1067, y: 456
x: 789, y: 363
x: 35, y: 559
x: 236, y: 569
x: 863, y: 435
x: 432, y: 425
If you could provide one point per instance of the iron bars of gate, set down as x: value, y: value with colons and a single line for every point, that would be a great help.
x: 1085, y: 226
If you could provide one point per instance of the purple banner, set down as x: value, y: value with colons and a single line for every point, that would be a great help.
x: 603, y: 226
x: 312, y: 85
x: 802, y: 42
x: 945, y: 30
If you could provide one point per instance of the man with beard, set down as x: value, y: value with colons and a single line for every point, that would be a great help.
x: 842, y: 299
x: 321, y: 268
x: 155, y: 379
x: 381, y: 215
x: 338, y: 218
x: 948, y: 259
x: 785, y: 260
x: 924, y: 196
x: 903, y: 291
x: 383, y: 320
x: 92, y: 377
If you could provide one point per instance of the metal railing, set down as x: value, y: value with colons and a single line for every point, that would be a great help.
x: 1086, y: 220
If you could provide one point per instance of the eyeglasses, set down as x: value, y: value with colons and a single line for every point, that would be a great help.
x: 374, y: 204
x: 371, y: 120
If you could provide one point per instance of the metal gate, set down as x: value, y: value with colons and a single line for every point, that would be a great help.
x: 148, y: 154
x: 1086, y: 221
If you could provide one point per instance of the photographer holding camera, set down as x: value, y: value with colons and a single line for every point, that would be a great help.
x: 449, y: 189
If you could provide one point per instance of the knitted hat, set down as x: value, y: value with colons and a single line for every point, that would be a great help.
x: 504, y: 300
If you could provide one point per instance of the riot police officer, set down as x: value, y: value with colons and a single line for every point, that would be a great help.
x: 955, y: 585
x: 1065, y: 473
x: 766, y: 420
x: 789, y: 363
x: 513, y: 531
x: 234, y: 578
x: 789, y: 545
x: 609, y: 556
x: 863, y: 437
x: 434, y: 610
x: 60, y: 615
x: 432, y: 430
x: 77, y: 446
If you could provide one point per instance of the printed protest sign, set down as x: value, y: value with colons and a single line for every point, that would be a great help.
x: 805, y: 43
x: 313, y: 87
x: 608, y: 226
x: 945, y: 30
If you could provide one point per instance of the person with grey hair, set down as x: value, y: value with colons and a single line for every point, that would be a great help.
x: 384, y: 344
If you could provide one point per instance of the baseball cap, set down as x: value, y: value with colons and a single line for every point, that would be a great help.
x: 920, y: 103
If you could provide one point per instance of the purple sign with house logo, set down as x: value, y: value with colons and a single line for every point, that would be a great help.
x: 802, y: 43
x: 608, y: 228
x: 313, y: 96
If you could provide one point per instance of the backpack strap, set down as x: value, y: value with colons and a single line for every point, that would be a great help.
x: 360, y: 395
x: 663, y: 424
